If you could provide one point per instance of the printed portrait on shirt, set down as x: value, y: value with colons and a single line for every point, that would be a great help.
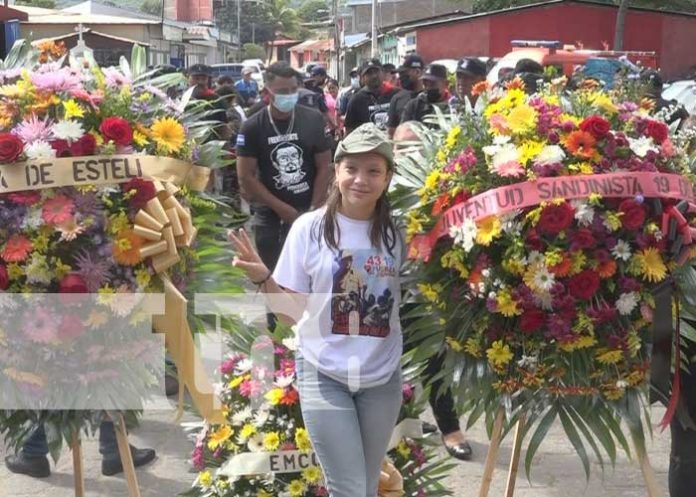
x: 361, y: 302
x: 287, y: 158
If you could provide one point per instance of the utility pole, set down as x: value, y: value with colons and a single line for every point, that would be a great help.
x: 239, y: 28
x: 375, y: 50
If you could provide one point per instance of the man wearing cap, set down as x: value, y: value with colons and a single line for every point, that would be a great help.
x: 348, y: 92
x: 371, y: 103
x: 410, y: 73
x: 470, y: 71
x: 200, y: 78
x: 247, y: 88
x: 435, y: 92
x: 312, y: 92
x: 391, y: 75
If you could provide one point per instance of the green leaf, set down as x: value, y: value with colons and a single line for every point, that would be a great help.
x: 574, y: 437
x: 138, y: 63
x: 539, y: 434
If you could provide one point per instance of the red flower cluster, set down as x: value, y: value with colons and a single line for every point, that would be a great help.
x: 11, y: 147
x: 118, y: 130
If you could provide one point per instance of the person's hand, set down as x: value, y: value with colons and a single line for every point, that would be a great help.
x: 247, y: 258
x: 288, y: 214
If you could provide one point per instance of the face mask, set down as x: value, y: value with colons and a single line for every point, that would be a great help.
x: 355, y: 83
x: 285, y: 103
x: 406, y: 82
x: 433, y: 95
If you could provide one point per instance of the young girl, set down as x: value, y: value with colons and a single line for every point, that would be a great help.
x: 341, y: 264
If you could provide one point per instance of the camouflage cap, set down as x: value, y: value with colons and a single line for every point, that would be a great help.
x: 366, y: 138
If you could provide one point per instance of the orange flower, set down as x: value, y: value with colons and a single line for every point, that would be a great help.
x: 480, y: 87
x: 581, y: 144
x: 516, y: 84
x: 647, y: 104
x: 441, y: 203
x: 607, y: 269
x: 126, y: 248
x: 562, y: 268
x: 475, y: 277
x: 290, y: 397
x: 17, y: 249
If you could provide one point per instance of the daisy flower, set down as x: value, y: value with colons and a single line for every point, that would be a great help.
x: 584, y: 213
x: 465, y: 235
x: 69, y: 230
x: 621, y: 250
x: 40, y: 326
x: 626, y: 303
x: 255, y: 443
x: 58, y: 210
x: 543, y: 279
x: 16, y: 249
x: 168, y: 134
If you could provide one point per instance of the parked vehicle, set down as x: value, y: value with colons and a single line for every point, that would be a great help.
x: 566, y: 58
x: 683, y: 92
x: 234, y: 71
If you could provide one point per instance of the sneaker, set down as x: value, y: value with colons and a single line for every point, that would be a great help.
x: 429, y: 427
x: 36, y: 467
x: 112, y: 465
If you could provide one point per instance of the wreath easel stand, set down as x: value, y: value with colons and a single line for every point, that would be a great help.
x: 651, y: 485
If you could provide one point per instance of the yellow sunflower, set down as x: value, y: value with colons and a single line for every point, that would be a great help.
x: 168, y: 134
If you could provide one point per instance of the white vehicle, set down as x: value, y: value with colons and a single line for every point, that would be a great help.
x: 683, y: 92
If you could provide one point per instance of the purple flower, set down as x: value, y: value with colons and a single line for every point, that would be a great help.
x: 407, y: 392
x: 198, y: 458
x: 93, y: 270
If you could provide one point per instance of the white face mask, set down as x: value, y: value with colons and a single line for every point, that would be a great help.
x: 355, y: 82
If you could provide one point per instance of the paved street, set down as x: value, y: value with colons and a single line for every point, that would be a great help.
x: 558, y: 471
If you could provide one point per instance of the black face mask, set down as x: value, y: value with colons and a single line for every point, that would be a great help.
x: 433, y: 95
x: 406, y: 82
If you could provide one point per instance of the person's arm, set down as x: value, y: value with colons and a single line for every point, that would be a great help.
x: 322, y: 178
x: 353, y: 117
x: 255, y: 191
x: 410, y: 111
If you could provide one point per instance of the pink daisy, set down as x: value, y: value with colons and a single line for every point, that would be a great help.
x: 58, y: 210
x: 509, y: 169
x: 40, y: 326
x: 33, y: 129
x: 16, y: 249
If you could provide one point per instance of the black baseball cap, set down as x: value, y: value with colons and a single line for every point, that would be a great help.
x: 318, y: 71
x: 435, y: 72
x: 390, y: 68
x: 473, y: 66
x: 412, y: 61
x: 200, y: 69
x: 370, y: 64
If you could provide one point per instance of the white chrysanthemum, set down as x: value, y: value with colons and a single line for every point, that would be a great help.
x: 39, y: 149
x: 68, y: 130
x: 543, y: 279
x: 243, y: 366
x: 501, y: 139
x: 584, y: 213
x: 621, y: 250
x: 262, y: 416
x: 528, y: 361
x: 465, y: 235
x: 641, y: 146
x: 491, y: 150
x: 284, y: 381
x: 33, y: 219
x: 550, y: 154
x: 535, y: 258
x: 37, y: 270
x: 241, y: 416
x: 505, y: 154
x: 626, y: 303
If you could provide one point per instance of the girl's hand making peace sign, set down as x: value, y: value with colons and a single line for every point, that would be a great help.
x: 247, y: 258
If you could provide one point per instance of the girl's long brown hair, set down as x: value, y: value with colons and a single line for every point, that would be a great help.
x: 382, y: 232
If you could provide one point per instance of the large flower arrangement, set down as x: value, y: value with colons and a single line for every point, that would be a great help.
x: 97, y: 239
x: 547, y: 308
x: 263, y: 413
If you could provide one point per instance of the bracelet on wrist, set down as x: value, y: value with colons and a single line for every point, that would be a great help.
x: 262, y: 282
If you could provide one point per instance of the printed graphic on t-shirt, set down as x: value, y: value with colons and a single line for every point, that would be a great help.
x: 361, y: 301
x: 287, y: 158
x: 379, y: 114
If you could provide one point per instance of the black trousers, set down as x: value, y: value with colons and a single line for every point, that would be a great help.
x: 682, y: 462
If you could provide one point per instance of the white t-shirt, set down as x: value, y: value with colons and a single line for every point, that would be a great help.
x: 350, y: 330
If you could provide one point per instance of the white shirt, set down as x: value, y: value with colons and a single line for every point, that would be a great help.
x: 350, y: 330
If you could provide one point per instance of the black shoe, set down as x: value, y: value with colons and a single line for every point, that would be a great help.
x: 461, y: 451
x: 112, y: 465
x: 171, y: 385
x: 36, y: 467
x: 429, y: 427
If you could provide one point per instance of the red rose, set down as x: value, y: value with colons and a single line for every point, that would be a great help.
x: 596, y: 126
x: 582, y: 239
x: 532, y: 320
x: 62, y: 148
x: 556, y: 218
x: 118, y: 130
x: 11, y: 147
x: 4, y: 278
x: 632, y: 214
x: 657, y: 131
x: 144, y: 191
x: 584, y: 285
x: 86, y: 145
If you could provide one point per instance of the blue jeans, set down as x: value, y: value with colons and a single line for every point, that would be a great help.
x: 37, y: 445
x: 349, y: 430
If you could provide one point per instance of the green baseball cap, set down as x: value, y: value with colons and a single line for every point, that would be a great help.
x: 364, y: 139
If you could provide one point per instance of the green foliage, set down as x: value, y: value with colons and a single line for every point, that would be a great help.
x: 253, y: 51
x: 260, y: 21
x: 153, y: 7
x: 45, y: 4
x: 312, y: 11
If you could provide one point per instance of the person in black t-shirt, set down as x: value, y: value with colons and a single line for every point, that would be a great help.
x: 470, y: 71
x: 435, y: 92
x: 283, y: 161
x: 371, y: 103
x: 410, y: 73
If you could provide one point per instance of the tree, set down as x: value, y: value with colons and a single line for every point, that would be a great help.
x: 620, y: 25
x: 253, y: 51
x: 312, y: 11
x: 267, y: 19
x: 44, y: 4
x: 153, y: 7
